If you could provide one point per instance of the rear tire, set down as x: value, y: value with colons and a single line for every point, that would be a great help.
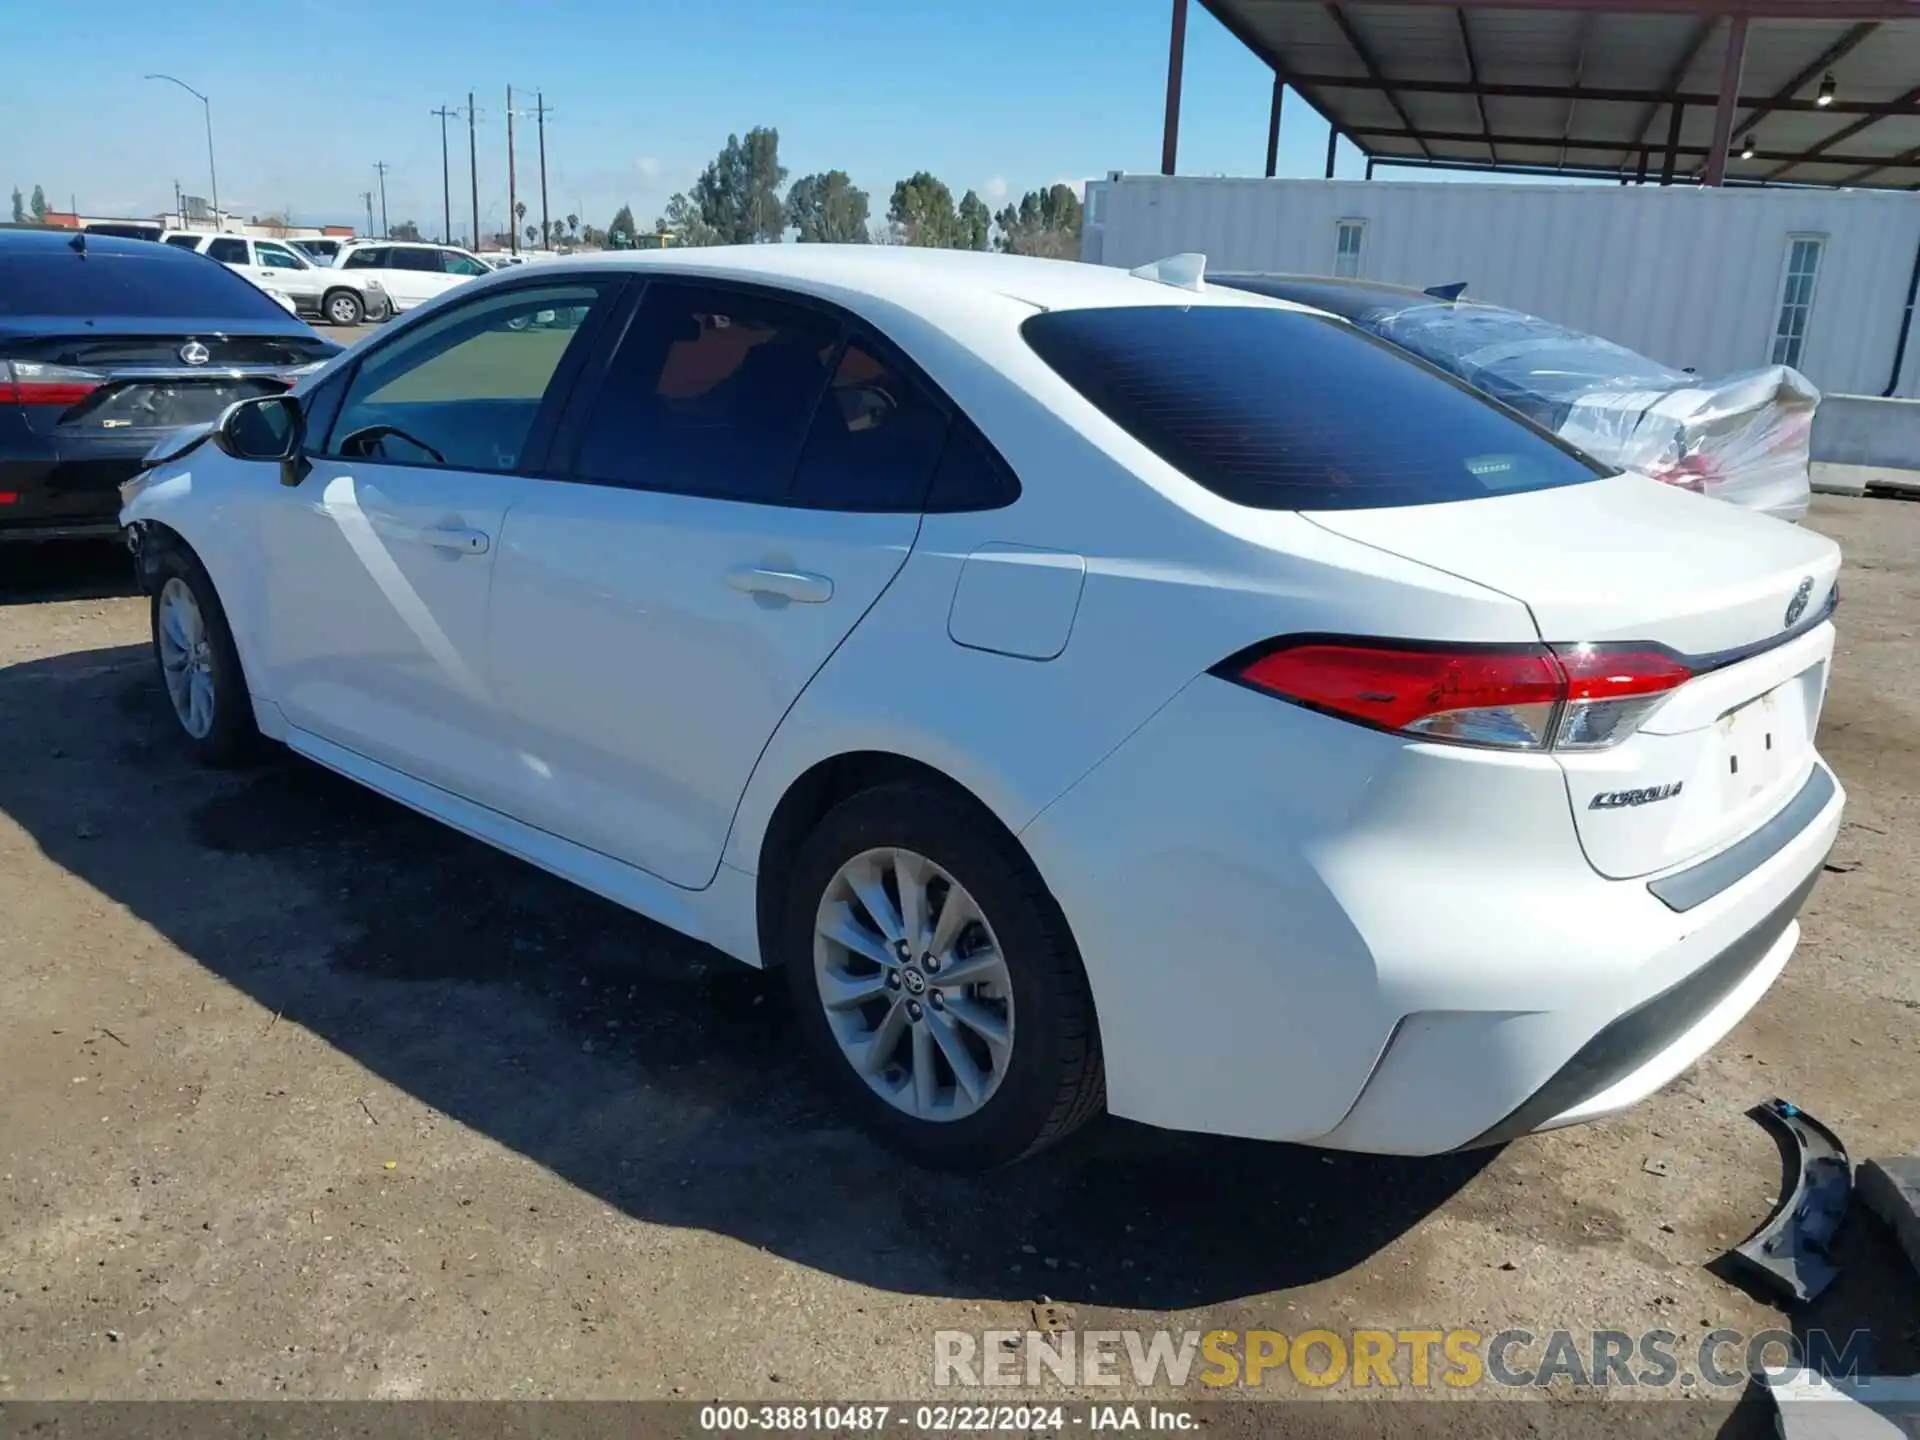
x: 199, y: 666
x: 343, y: 307
x: 1016, y: 1012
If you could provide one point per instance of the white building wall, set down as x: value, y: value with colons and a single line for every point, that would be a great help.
x: 1690, y: 276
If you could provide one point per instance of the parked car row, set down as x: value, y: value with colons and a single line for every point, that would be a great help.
x: 1092, y: 690
x: 105, y: 345
x: 343, y: 282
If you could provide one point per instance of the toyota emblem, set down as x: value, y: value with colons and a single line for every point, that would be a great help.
x: 194, y: 353
x: 1797, y: 606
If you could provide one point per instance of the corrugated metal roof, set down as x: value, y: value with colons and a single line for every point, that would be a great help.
x: 1583, y: 87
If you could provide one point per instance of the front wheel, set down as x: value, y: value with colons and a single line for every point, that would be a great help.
x: 199, y: 665
x: 935, y: 980
x: 343, y: 307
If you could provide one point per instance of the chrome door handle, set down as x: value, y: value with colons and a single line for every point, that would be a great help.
x: 796, y: 585
x: 459, y: 539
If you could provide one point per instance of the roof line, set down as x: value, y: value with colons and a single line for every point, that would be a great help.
x: 1678, y: 73
x: 1372, y: 67
x: 1844, y: 133
x: 1605, y: 147
x: 1906, y: 158
x: 1878, y: 109
x: 1836, y: 10
x: 1473, y: 72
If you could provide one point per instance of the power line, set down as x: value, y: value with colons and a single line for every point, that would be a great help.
x: 446, y: 178
x: 381, y: 167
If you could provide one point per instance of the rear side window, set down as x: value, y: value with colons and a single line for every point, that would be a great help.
x: 154, y: 283
x: 374, y: 259
x: 1282, y: 410
x: 710, y: 393
x: 428, y: 260
x: 184, y: 242
x: 875, y: 438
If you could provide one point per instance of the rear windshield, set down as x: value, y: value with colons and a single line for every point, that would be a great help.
x: 157, y: 284
x: 1283, y: 410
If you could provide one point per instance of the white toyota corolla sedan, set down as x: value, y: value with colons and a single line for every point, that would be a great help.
x: 1095, y: 690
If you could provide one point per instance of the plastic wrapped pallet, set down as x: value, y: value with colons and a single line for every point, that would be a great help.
x: 1742, y: 438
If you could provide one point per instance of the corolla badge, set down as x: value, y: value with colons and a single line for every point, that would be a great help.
x: 1627, y: 799
x: 194, y: 353
x: 1797, y: 606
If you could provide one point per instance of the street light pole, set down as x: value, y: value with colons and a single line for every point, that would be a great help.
x: 206, y: 107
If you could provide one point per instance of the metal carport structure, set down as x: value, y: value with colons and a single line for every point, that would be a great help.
x: 1813, y: 92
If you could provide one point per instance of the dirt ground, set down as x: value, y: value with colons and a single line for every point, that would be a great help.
x: 304, y: 1095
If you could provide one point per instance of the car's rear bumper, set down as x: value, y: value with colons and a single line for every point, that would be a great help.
x: 62, y: 497
x: 1297, y: 929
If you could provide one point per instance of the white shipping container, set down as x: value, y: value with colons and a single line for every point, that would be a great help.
x: 1715, y: 280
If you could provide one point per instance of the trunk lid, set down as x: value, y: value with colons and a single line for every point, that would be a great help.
x: 1740, y: 597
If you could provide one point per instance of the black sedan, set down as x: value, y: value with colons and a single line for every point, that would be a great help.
x: 106, y: 345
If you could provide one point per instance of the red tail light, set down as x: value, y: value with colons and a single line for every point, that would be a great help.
x: 27, y: 382
x: 1520, y: 697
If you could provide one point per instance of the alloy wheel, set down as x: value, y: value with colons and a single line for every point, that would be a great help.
x: 186, y: 658
x: 914, y: 984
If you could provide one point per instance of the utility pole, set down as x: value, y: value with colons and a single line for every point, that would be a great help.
x: 367, y: 195
x: 473, y: 171
x: 513, y: 209
x: 541, y: 112
x: 380, y: 167
x: 446, y: 179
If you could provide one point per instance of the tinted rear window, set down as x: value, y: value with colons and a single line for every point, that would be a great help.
x: 157, y: 283
x: 1283, y: 410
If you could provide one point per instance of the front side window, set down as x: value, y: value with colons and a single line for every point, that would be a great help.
x: 463, y: 390
x: 229, y: 251
x: 428, y: 260
x: 184, y: 242
x: 1348, y: 236
x: 1796, y: 298
x: 278, y: 257
x: 1283, y: 409
x: 457, y: 264
x: 710, y: 393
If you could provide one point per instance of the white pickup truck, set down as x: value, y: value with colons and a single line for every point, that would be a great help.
x: 336, y: 296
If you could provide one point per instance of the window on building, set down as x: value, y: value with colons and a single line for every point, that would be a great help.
x: 1796, y: 298
x: 1347, y: 238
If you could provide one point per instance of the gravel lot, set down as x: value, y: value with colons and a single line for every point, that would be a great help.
x: 303, y: 1095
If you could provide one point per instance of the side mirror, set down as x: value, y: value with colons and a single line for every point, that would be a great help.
x: 268, y: 427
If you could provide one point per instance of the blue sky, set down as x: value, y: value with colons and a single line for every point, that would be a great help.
x: 997, y: 95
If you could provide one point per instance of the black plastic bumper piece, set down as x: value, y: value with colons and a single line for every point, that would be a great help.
x: 1789, y: 1254
x: 1695, y: 885
x: 1647, y: 1029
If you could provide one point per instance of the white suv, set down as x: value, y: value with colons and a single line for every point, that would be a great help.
x: 279, y: 269
x: 411, y: 272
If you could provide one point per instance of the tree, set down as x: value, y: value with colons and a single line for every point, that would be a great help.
x: 405, y: 230
x: 533, y: 233
x: 1046, y: 222
x: 19, y: 207
x: 593, y: 237
x: 975, y: 222
x: 573, y: 224
x: 828, y: 208
x: 688, y: 225
x: 37, y: 207
x: 921, y: 211
x: 736, y: 200
x: 622, y: 233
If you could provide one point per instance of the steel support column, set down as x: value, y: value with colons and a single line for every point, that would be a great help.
x: 1273, y: 128
x: 1333, y: 139
x: 1176, y: 63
